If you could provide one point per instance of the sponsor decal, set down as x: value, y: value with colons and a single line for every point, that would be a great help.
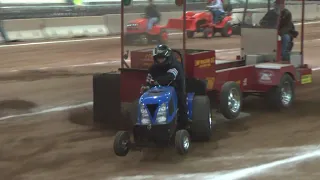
x: 204, y: 63
x: 245, y: 82
x: 210, y: 82
x: 266, y: 76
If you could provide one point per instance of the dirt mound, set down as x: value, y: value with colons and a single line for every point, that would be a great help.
x: 15, y: 106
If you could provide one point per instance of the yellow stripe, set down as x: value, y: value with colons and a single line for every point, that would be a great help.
x: 306, y: 79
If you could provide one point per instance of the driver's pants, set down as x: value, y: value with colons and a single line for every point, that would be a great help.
x: 3, y: 32
x: 216, y: 14
x: 151, y: 22
x: 183, y: 109
x: 285, y: 40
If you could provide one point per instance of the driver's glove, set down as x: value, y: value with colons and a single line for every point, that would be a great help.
x: 149, y: 79
x: 144, y: 89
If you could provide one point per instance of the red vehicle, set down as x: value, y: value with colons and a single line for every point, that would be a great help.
x: 259, y: 70
x: 202, y: 22
x: 136, y: 32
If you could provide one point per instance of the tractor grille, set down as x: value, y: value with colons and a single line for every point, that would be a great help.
x: 152, y: 108
x: 132, y: 28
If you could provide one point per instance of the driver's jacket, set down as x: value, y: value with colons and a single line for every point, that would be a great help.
x: 164, y: 74
x: 151, y: 11
x: 216, y: 5
x: 285, y: 24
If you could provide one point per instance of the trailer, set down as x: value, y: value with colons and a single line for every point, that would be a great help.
x: 260, y: 70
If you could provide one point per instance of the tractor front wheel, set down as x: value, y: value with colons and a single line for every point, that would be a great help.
x: 182, y: 141
x: 121, y: 143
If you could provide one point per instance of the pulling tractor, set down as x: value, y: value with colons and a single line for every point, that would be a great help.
x: 151, y: 116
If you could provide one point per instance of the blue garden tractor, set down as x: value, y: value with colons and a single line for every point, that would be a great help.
x: 156, y: 121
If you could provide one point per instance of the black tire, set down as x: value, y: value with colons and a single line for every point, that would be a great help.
x: 190, y: 34
x: 180, y: 137
x: 106, y: 100
x: 161, y: 39
x: 201, y: 119
x: 225, y: 30
x: 127, y: 40
x: 134, y: 112
x: 274, y: 95
x: 224, y: 99
x: 144, y: 39
x: 118, y: 147
x: 236, y: 30
x: 208, y: 33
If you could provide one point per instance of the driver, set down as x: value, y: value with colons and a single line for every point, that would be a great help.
x: 286, y: 27
x: 168, y: 70
x: 216, y: 7
x: 152, y: 14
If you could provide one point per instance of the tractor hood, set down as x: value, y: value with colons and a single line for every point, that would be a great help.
x: 157, y: 95
x: 137, y: 21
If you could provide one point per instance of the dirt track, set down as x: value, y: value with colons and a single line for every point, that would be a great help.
x: 63, y: 145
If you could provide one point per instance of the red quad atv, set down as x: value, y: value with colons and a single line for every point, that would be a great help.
x: 203, y: 22
x: 136, y: 32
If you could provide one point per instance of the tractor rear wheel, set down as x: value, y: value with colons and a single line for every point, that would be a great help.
x: 226, y: 31
x: 208, y: 33
x: 190, y: 34
x: 201, y: 119
x: 163, y: 36
x: 106, y: 100
x: 134, y: 112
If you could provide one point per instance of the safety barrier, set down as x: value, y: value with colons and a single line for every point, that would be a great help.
x: 56, y: 28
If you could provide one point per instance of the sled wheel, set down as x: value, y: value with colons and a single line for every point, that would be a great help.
x: 121, y: 143
x: 164, y: 36
x: 201, y: 119
x: 282, y: 96
x: 190, y: 34
x: 208, y: 33
x: 182, y: 141
x: 226, y: 31
x: 230, y: 100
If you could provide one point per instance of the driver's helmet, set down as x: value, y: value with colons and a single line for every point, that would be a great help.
x: 162, y: 54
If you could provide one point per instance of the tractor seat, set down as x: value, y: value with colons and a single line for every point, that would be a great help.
x: 222, y: 16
